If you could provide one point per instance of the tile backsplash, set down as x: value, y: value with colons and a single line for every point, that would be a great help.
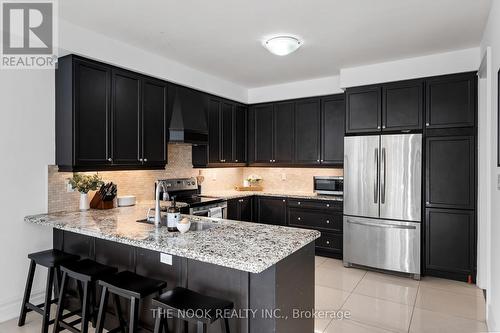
x: 141, y: 182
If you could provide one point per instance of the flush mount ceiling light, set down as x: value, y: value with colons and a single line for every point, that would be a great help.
x: 282, y: 45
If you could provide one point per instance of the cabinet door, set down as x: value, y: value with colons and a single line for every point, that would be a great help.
x: 307, y: 131
x: 363, y: 109
x: 92, y: 97
x: 126, y: 116
x: 271, y: 210
x: 283, y: 132
x: 246, y: 209
x: 232, y: 209
x: 402, y: 106
x: 449, y: 244
x: 214, y: 131
x: 154, y: 110
x: 450, y: 172
x: 240, y: 134
x: 263, y: 133
x: 451, y: 101
x: 227, y: 132
x: 332, y: 130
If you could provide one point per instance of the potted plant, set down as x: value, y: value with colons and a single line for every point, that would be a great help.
x: 83, y: 184
x: 252, y: 180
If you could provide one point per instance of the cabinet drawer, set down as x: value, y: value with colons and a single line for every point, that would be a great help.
x: 315, y: 204
x: 315, y: 219
x: 328, y: 241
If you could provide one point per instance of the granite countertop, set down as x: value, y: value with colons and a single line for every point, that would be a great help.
x: 245, y: 246
x: 233, y: 194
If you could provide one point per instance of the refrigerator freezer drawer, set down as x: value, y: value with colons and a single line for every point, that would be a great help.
x: 382, y: 244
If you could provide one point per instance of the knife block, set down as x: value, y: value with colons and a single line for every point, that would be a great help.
x: 97, y: 203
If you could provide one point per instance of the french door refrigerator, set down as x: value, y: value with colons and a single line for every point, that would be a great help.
x: 382, y: 202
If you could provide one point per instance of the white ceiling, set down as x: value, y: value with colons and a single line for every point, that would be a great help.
x: 223, y: 37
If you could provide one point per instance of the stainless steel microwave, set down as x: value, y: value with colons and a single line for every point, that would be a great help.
x: 329, y: 185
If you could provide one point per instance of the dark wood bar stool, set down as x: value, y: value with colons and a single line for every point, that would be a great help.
x: 85, y: 272
x: 190, y: 306
x: 131, y: 286
x: 51, y: 259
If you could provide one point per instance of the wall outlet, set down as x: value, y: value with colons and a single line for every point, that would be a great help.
x: 166, y: 258
x: 283, y: 176
x: 69, y: 189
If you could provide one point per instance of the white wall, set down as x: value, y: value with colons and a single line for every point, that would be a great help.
x: 27, y: 147
x: 491, y: 38
x: 298, y: 89
x: 77, y: 40
x: 411, y: 68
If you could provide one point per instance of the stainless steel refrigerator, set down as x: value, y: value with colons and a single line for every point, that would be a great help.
x: 382, y: 202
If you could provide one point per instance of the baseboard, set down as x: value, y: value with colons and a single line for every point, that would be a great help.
x: 11, y: 308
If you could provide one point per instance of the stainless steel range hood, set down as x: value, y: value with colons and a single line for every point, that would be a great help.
x: 188, y: 123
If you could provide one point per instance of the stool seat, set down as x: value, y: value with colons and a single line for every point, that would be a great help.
x: 183, y: 299
x: 52, y: 258
x: 87, y: 270
x: 132, y: 284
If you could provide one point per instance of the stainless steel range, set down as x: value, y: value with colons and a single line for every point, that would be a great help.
x: 186, y: 193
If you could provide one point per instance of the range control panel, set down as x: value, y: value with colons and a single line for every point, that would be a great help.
x: 180, y: 184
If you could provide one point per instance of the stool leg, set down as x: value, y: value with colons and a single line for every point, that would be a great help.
x: 118, y: 312
x: 226, y: 324
x: 59, y: 311
x: 134, y: 314
x: 85, y: 308
x: 48, y: 299
x: 158, y: 322
x: 102, y: 310
x: 27, y: 293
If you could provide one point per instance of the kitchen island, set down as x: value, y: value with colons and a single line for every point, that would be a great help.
x: 267, y: 271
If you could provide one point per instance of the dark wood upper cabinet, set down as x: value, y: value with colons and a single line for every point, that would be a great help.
x: 307, y: 131
x: 125, y: 113
x: 271, y: 210
x: 108, y: 118
x: 363, y: 109
x: 402, y: 106
x: 227, y: 132
x: 214, y: 131
x: 332, y: 130
x: 451, y: 101
x: 92, y: 113
x: 263, y: 133
x: 283, y: 132
x: 450, y: 172
x: 154, y: 122
x: 240, y: 134
x: 450, y: 243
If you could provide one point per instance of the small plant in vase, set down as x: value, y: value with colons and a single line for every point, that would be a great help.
x: 252, y: 180
x: 83, y: 184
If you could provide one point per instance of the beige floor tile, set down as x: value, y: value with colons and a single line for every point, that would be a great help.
x: 424, y: 321
x: 399, y: 280
x: 379, y: 313
x: 461, y: 305
x: 392, y: 289
x: 345, y: 279
x: 320, y: 324
x: 329, y: 298
x: 333, y: 263
x: 350, y: 326
x: 451, y: 285
x: 319, y: 260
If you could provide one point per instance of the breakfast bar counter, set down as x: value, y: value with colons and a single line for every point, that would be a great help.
x: 266, y: 271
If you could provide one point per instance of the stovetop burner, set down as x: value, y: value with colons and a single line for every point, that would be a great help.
x: 185, y: 191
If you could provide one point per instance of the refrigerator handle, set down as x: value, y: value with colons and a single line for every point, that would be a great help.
x: 375, y: 185
x: 382, y: 176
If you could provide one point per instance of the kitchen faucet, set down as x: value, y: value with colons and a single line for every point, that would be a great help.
x: 160, y: 186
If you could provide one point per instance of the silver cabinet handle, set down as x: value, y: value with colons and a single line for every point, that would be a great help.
x: 322, y: 160
x: 375, y: 185
x: 284, y: 200
x: 378, y: 127
x: 328, y: 242
x: 145, y: 159
x: 382, y: 182
x: 141, y: 160
x: 271, y: 161
x: 327, y: 221
x: 427, y: 124
x: 327, y: 205
x: 110, y: 159
x: 298, y: 218
x: 236, y: 161
x: 298, y: 203
x: 317, y: 160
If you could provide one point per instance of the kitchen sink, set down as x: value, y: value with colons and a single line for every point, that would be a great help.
x: 195, y: 226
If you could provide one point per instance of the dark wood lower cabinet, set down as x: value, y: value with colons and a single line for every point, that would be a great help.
x: 450, y: 242
x: 271, y: 210
x: 240, y: 209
